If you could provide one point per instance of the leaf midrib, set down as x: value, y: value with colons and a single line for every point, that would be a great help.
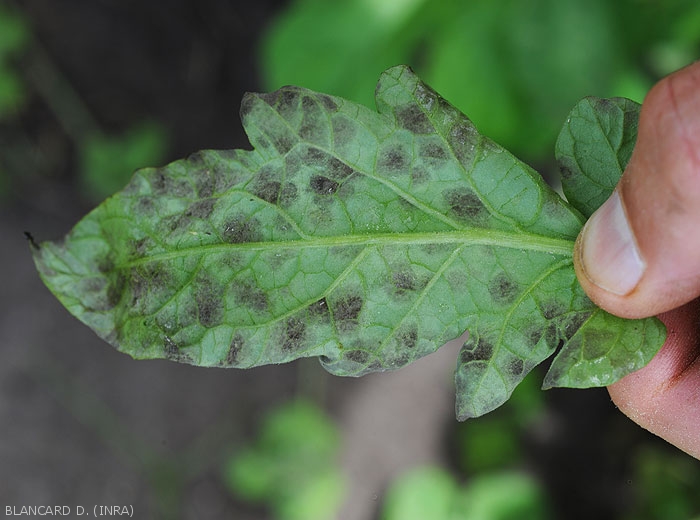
x: 466, y: 237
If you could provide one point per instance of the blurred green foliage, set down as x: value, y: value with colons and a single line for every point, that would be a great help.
x: 666, y: 485
x: 14, y: 36
x: 107, y: 162
x: 494, y: 442
x: 293, y: 466
x: 516, y: 68
x: 433, y: 493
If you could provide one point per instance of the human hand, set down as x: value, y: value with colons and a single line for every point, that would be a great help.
x: 639, y: 255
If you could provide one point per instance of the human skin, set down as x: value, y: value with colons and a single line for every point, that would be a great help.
x: 639, y: 255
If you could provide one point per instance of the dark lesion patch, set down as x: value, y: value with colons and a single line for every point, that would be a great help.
x: 241, y: 228
x: 172, y: 351
x: 479, y: 350
x: 347, y: 310
x: 209, y: 298
x: 393, y: 160
x: 464, y: 139
x: 323, y: 185
x: 409, y: 338
x: 318, y: 310
x: 502, y: 289
x: 249, y: 295
x: 294, y: 334
x: 404, y: 281
x: 360, y: 357
x: 338, y: 169
x: 515, y: 367
x: 328, y: 102
x: 465, y: 204
x: 412, y: 118
x: 237, y: 343
x: 201, y: 208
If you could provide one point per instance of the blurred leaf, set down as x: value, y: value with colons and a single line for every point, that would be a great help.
x: 425, y: 493
x: 107, y: 162
x: 503, y: 496
x: 14, y: 32
x: 292, y: 467
x: 340, y: 47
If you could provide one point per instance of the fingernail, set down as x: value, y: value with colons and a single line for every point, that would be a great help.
x: 608, y: 251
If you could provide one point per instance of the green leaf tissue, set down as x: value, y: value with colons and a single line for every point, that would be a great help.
x: 364, y: 238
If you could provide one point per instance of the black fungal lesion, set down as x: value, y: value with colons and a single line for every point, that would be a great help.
x: 209, y: 300
x: 234, y: 350
x: 201, y: 209
x: 204, y: 182
x: 294, y: 334
x: 479, y: 350
x: 465, y: 204
x: 393, y: 160
x: 338, y: 169
x: 321, y: 185
x: 360, y: 357
x: 346, y: 311
x: 248, y: 294
x: 515, y: 367
x: 328, y: 102
x: 409, y: 338
x: 267, y: 190
x: 403, y: 281
x: 288, y: 194
x: 318, y: 310
x: 435, y: 152
x: 240, y: 229
x: 412, y: 118
x: 172, y: 351
x: 552, y: 308
x: 502, y: 289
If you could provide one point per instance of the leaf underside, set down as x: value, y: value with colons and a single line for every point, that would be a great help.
x: 367, y: 239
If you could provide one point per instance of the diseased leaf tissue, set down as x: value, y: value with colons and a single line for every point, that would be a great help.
x: 367, y: 239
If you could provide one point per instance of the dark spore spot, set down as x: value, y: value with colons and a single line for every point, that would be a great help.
x: 425, y: 95
x: 144, y: 206
x: 172, y: 351
x: 409, y: 338
x: 404, y: 281
x: 327, y: 102
x: 283, y: 143
x: 269, y: 191
x: 357, y: 356
x: 343, y: 129
x: 412, y: 118
x: 464, y: 203
x: 566, y: 172
x: 140, y: 247
x: 323, y: 185
x: 307, y: 103
x: 294, y: 334
x: 209, y: 303
x: 201, y: 209
x: 463, y: 138
x: 551, y: 335
x: 551, y: 309
x: 314, y: 155
x: 534, y: 335
x: 288, y: 194
x: 338, y: 169
x: 502, y: 289
x: 515, y: 367
x: 165, y: 184
x: 319, y: 310
x: 574, y: 323
x: 204, y: 182
x: 241, y: 229
x: 433, y: 151
x: 481, y: 351
x: 236, y: 345
x: 348, y: 308
x: 287, y: 100
x: 251, y: 296
x: 419, y: 175
x: 392, y: 160
x: 115, y: 290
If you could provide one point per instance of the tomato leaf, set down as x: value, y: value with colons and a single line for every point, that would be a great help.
x: 368, y: 239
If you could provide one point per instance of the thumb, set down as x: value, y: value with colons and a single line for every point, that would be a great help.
x: 639, y: 253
